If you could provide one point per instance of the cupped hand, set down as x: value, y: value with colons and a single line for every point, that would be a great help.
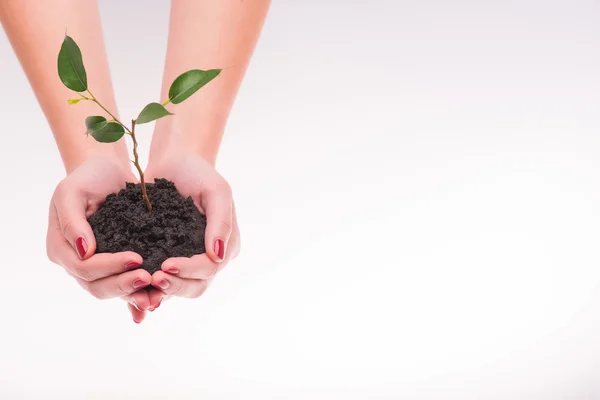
x: 70, y: 241
x: 195, y: 177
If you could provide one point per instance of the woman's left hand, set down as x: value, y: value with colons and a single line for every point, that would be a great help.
x: 190, y: 277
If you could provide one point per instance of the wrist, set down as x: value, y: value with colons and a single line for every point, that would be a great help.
x: 114, y: 153
x: 74, y: 145
x: 172, y: 138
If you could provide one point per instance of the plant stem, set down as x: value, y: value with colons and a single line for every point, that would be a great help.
x: 137, y: 165
x: 131, y: 133
x: 95, y: 100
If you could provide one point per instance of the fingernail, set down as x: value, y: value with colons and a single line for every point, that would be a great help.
x: 173, y: 271
x: 139, y: 284
x: 132, y: 265
x: 81, y: 247
x: 136, y: 321
x: 151, y: 309
x: 219, y: 248
x: 164, y: 284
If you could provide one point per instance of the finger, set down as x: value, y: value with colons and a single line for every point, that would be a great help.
x: 175, y: 286
x: 137, y: 315
x: 234, y: 240
x: 96, y: 267
x: 199, y: 266
x: 103, y: 265
x: 70, y: 208
x: 54, y: 236
x: 139, y: 300
x: 217, y: 202
x: 106, y: 264
x: 117, y: 285
x: 156, y: 297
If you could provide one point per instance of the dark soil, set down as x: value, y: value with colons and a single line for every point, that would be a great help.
x: 174, y: 227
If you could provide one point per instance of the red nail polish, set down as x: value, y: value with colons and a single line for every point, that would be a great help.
x: 132, y: 265
x: 139, y: 283
x: 81, y: 247
x: 219, y: 248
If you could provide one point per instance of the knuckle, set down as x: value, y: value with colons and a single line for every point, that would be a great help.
x: 220, y: 186
x: 83, y: 273
x: 225, y: 188
x: 177, y: 290
x: 95, y: 292
x: 236, y: 250
x: 122, y: 291
x: 226, y: 225
x: 61, y: 188
x: 50, y: 253
x: 65, y: 224
x: 213, y: 271
x: 199, y: 291
x: 238, y: 247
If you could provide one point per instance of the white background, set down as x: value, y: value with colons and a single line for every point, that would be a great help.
x: 418, y: 186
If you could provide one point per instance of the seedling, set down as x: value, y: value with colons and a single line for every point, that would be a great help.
x: 72, y: 74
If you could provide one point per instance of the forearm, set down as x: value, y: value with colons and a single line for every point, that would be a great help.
x: 206, y: 34
x: 36, y: 30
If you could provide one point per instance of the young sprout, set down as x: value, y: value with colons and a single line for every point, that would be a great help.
x: 72, y: 74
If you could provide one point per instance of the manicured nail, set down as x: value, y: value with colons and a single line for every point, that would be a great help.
x: 132, y: 265
x: 219, y: 248
x: 81, y: 247
x: 164, y: 284
x: 139, y: 284
x: 173, y: 271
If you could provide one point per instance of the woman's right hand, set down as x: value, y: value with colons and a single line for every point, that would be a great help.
x: 70, y: 241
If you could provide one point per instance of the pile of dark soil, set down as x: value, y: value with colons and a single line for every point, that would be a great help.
x: 174, y: 227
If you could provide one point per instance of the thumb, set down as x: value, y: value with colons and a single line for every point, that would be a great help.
x: 217, y: 204
x: 71, y: 212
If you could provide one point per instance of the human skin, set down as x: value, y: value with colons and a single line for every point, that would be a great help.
x: 36, y: 30
x: 206, y: 34
x: 190, y: 277
x: 184, y: 148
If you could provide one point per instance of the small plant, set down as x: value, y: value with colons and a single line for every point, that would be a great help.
x: 72, y: 74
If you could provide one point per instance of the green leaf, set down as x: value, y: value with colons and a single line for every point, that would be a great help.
x: 70, y: 66
x: 110, y: 133
x: 189, y: 82
x: 95, y: 123
x: 74, y: 101
x: 152, y: 112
